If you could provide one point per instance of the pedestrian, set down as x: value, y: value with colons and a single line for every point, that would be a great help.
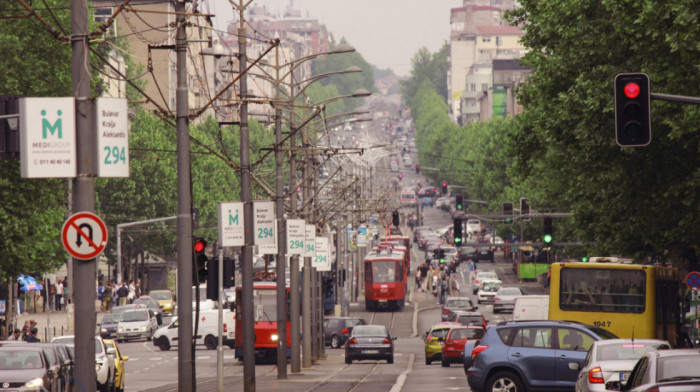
x: 59, y: 294
x: 443, y: 291
x: 454, y: 285
x: 418, y: 281
x: 123, y: 294
x: 435, y: 280
x: 3, y: 330
x: 65, y: 291
x: 472, y: 271
x: 107, y: 298
x: 424, y: 269
x: 16, y: 335
x: 32, y: 338
x: 52, y: 296
x: 44, y: 296
x: 132, y: 292
x: 139, y: 293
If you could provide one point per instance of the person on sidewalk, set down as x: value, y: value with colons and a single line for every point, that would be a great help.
x: 424, y: 268
x: 123, y: 294
x: 32, y: 338
x: 59, y: 294
x: 132, y: 292
x: 16, y: 335
x: 472, y: 271
x: 107, y: 298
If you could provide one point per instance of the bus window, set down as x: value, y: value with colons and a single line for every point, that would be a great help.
x: 596, y: 290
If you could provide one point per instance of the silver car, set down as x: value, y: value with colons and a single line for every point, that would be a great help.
x: 505, y: 299
x: 137, y: 324
x: 613, y: 360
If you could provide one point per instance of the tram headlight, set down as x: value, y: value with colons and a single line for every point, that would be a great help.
x: 274, y: 337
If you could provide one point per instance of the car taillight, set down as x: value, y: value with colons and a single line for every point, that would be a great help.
x: 476, y: 281
x: 595, y: 376
x: 345, y: 331
x: 352, y: 341
x: 225, y: 329
x: 496, y: 299
x: 445, y: 311
x: 387, y: 341
x: 430, y: 338
x: 478, y: 350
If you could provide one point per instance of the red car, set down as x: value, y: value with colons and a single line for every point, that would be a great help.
x: 453, y: 348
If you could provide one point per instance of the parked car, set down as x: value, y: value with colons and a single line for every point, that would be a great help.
x: 104, y: 364
x: 456, y: 303
x: 468, y: 318
x: 60, y: 365
x: 663, y: 371
x: 505, y: 299
x: 613, y: 360
x: 369, y: 342
x: 434, y: 340
x: 119, y: 368
x: 457, y: 337
x: 532, y: 355
x: 338, y: 329
x: 480, y: 276
x: 487, y: 290
x: 137, y: 324
x: 108, y: 325
x: 152, y: 305
x: 24, y: 367
x: 165, y: 300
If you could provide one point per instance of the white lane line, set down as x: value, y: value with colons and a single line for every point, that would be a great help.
x: 398, y: 385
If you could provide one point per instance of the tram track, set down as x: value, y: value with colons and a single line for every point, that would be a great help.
x: 333, y: 381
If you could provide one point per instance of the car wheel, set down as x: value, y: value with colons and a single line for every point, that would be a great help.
x: 348, y: 360
x: 105, y: 387
x: 504, y: 381
x: 210, y: 342
x: 390, y: 359
x: 444, y: 362
x: 335, y: 341
x: 164, y: 344
x: 427, y: 360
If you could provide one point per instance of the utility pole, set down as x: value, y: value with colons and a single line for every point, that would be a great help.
x: 306, y: 288
x: 247, y: 254
x: 83, y: 194
x: 281, y: 232
x: 185, y: 361
x: 295, y: 305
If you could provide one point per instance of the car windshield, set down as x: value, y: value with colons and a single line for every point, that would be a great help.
x: 265, y: 305
x: 458, y: 303
x: 111, y: 318
x: 470, y: 320
x: 148, y: 302
x: 491, y: 286
x: 162, y: 296
x: 467, y: 333
x: 353, y: 322
x: 383, y: 271
x: 626, y: 350
x: 487, y: 275
x: 369, y: 330
x: 509, y: 291
x: 675, y: 367
x: 20, y: 360
x: 134, y: 316
x: 440, y: 332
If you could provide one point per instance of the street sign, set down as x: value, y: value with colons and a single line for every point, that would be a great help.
x: 47, y: 142
x: 692, y: 280
x: 322, y: 259
x: 265, y: 223
x: 231, y: 224
x: 296, y: 236
x: 112, y: 125
x: 310, y: 241
x: 362, y: 236
x: 84, y: 235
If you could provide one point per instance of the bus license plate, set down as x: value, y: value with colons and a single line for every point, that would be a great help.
x: 370, y: 351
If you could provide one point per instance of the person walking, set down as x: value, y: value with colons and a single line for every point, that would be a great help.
x: 16, y: 335
x: 123, y: 294
x: 454, y: 285
x: 59, y: 294
x: 472, y: 271
x: 132, y: 292
x: 107, y: 297
x: 424, y: 276
x: 52, y: 296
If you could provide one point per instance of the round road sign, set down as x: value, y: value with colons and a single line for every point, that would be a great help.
x: 84, y: 235
x: 692, y: 280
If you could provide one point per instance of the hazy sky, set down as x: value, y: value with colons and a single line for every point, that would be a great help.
x: 386, y: 32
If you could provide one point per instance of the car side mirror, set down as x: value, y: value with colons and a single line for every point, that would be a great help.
x: 111, y: 351
x: 573, y: 366
x: 613, y: 386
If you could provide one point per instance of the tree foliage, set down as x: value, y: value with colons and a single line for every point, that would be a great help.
x: 426, y: 66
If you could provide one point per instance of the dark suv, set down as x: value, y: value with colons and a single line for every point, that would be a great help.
x: 531, y: 355
x: 337, y: 329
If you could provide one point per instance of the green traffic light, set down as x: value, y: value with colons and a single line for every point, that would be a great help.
x: 459, y: 206
x: 457, y: 239
x: 547, y: 238
x: 584, y: 259
x: 442, y: 261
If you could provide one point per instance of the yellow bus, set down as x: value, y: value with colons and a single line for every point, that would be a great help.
x: 629, y: 300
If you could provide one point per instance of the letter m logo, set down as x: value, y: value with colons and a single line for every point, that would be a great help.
x: 55, y: 128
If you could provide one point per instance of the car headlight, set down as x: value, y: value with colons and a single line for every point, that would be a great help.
x: 120, y: 329
x: 35, y: 383
x: 98, y: 366
x: 103, y: 329
x: 274, y: 337
x: 143, y: 329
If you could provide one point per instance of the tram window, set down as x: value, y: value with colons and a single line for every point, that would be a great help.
x: 265, y: 305
x: 383, y: 271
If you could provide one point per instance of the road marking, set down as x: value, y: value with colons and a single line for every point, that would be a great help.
x: 204, y: 357
x: 402, y: 377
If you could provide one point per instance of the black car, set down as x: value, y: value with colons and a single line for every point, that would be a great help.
x: 338, y: 329
x: 108, y: 325
x: 465, y: 253
x: 369, y: 342
x: 26, y: 367
x: 483, y: 253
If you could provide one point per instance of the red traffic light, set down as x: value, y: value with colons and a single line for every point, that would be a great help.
x: 632, y: 90
x: 199, y: 245
x: 444, y: 184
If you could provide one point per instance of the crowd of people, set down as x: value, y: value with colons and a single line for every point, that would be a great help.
x: 118, y: 294
x: 28, y: 333
x: 441, y: 281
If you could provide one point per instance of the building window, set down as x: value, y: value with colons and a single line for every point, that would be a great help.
x: 472, y: 87
x: 486, y: 39
x: 102, y: 14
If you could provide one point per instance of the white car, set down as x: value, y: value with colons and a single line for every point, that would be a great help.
x: 473, y: 226
x: 207, y: 331
x: 137, y: 324
x: 487, y: 290
x: 505, y: 298
x: 481, y: 276
x: 104, y: 363
x: 613, y: 360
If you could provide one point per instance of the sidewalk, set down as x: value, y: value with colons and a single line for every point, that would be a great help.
x: 56, y: 323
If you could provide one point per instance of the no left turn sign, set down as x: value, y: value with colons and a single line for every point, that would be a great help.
x: 84, y: 235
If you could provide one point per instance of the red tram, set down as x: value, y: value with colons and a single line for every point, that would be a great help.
x: 265, y: 313
x: 386, y: 278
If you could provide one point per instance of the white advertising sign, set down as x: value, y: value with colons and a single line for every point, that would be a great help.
x: 322, y: 260
x: 310, y: 244
x: 231, y: 224
x: 47, y: 141
x: 264, y: 212
x: 112, y: 137
x: 269, y: 249
x: 296, y: 236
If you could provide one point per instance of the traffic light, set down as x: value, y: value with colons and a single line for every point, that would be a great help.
x: 548, y: 231
x: 524, y: 210
x: 444, y: 188
x: 199, y: 246
x: 440, y: 255
x: 632, y: 110
x: 459, y: 202
x: 417, y: 169
x: 395, y: 218
x: 508, y: 213
x: 457, y: 231
x: 9, y: 127
x: 213, y: 279
x: 229, y: 272
x: 584, y: 259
